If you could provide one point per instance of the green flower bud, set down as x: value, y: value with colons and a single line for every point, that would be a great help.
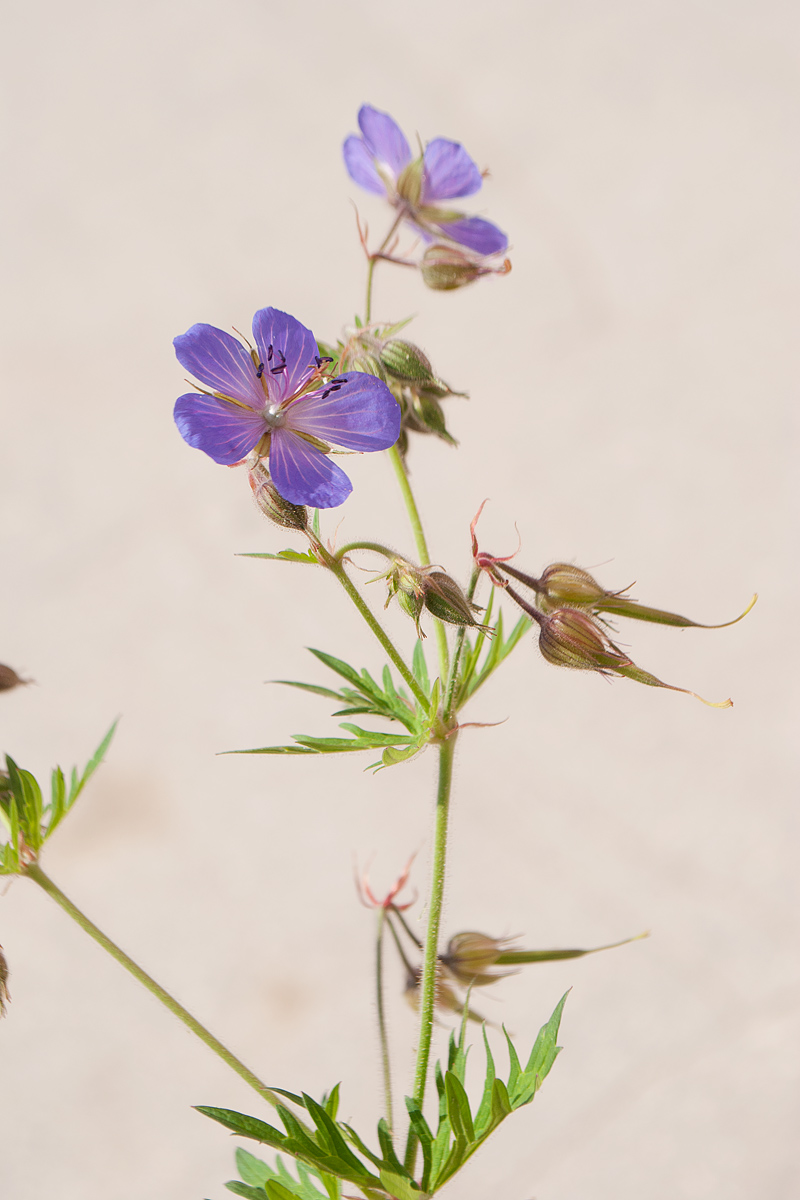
x: 272, y: 504
x: 563, y: 584
x: 409, y: 182
x: 445, y: 268
x: 406, y: 362
x: 446, y: 600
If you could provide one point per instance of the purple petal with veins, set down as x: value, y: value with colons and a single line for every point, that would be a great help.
x: 303, y: 474
x: 448, y: 172
x: 221, y: 363
x: 361, y: 165
x: 356, y: 411
x: 224, y: 431
x: 287, y: 349
x: 384, y: 138
x: 476, y: 234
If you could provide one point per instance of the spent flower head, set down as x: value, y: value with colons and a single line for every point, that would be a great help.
x: 276, y: 401
x: 381, y: 162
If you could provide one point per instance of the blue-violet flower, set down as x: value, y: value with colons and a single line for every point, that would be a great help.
x: 277, y: 400
x: 381, y: 162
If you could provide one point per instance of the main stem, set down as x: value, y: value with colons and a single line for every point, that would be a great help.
x: 35, y: 872
x: 384, y: 1036
x: 427, y: 997
x: 422, y: 546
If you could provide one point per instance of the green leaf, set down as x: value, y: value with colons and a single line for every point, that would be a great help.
x: 424, y: 1137
x: 420, y: 667
x: 310, y: 687
x: 296, y: 556
x: 244, y: 1189
x: 249, y: 1127
x: 543, y: 1055
x: 458, y: 1109
x: 330, y: 1102
x: 515, y: 1070
x: 485, y: 1107
x: 399, y: 1186
x: 77, y: 785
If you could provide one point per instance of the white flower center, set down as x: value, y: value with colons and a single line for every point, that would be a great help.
x: 274, y: 416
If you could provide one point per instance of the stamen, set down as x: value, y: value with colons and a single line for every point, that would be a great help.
x: 260, y: 370
x: 269, y: 352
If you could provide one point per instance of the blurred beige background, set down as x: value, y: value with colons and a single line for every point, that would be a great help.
x: 633, y: 408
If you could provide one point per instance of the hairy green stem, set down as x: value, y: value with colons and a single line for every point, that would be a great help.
x: 35, y: 872
x: 375, y: 547
x: 427, y: 997
x: 334, y: 565
x: 421, y: 544
x: 382, y: 1030
x: 452, y: 681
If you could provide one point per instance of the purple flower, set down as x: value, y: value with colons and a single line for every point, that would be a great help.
x: 276, y: 400
x: 381, y: 161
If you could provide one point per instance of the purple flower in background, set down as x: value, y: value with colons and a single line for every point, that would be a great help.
x: 276, y: 400
x: 381, y: 161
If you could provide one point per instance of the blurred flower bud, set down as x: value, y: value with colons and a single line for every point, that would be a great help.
x: 361, y: 352
x: 409, y: 182
x: 272, y: 503
x: 10, y: 679
x: 4, y: 992
x: 471, y: 958
x: 445, y: 268
x: 445, y: 998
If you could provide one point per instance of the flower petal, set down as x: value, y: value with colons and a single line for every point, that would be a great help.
x: 221, y: 430
x: 288, y: 351
x: 448, y: 171
x: 355, y: 410
x: 384, y: 138
x: 221, y: 363
x: 476, y: 234
x: 303, y: 474
x: 361, y: 166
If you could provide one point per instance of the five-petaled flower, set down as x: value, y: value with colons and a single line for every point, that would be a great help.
x: 381, y: 161
x: 277, y: 400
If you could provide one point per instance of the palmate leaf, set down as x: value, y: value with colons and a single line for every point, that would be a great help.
x: 363, y: 696
x: 294, y: 556
x: 29, y: 821
x: 459, y: 1133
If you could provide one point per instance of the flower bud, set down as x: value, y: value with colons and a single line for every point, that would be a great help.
x: 471, y: 958
x: 445, y: 268
x: 570, y: 638
x: 445, y: 996
x: 10, y: 679
x: 562, y: 585
x: 406, y: 362
x: 409, y: 182
x: 446, y: 600
x: 4, y: 992
x: 272, y: 504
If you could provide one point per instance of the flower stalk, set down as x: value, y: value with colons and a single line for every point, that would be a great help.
x: 34, y: 871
